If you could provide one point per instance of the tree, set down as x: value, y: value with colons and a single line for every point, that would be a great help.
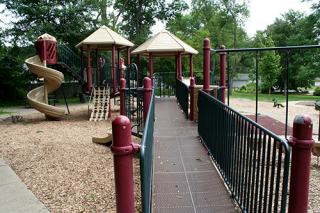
x: 295, y: 29
x: 67, y: 20
x: 139, y: 16
x: 270, y: 67
x: 13, y: 77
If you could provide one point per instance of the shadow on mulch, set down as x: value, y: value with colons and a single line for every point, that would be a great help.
x: 271, y: 124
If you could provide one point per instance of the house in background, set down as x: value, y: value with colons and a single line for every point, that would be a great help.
x: 239, y: 81
x: 317, y: 82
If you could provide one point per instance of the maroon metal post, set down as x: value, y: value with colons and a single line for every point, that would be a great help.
x: 206, y: 66
x: 223, y: 73
x: 122, y: 147
x: 301, y: 143
x: 151, y: 67
x: 122, y: 88
x: 147, y: 93
x: 191, y: 87
x: 89, y: 68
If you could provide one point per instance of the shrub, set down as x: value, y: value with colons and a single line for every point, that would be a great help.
x: 251, y: 87
x: 243, y: 88
x: 316, y: 91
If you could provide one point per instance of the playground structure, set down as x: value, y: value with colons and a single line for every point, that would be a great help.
x: 236, y: 144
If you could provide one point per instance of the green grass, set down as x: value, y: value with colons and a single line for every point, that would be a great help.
x: 280, y: 97
x: 73, y: 100
x: 3, y: 113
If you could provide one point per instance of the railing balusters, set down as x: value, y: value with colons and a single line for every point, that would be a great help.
x: 245, y: 154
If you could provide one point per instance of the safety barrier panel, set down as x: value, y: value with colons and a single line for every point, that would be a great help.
x: 246, y: 155
x: 183, y: 97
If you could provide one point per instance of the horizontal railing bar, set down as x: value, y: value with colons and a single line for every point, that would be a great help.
x: 267, y: 49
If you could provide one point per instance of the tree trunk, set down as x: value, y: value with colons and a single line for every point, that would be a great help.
x: 285, y: 88
x: 269, y: 92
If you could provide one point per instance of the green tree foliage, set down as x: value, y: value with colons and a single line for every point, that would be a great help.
x: 295, y: 29
x: 12, y: 76
x: 67, y: 20
x: 139, y: 16
x: 269, y: 66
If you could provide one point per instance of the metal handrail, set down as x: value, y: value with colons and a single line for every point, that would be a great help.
x: 245, y: 155
x: 288, y: 48
x: 71, y: 60
x: 183, y: 97
x: 146, y: 157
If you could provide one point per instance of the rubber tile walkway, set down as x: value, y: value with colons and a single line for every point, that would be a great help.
x: 184, y: 178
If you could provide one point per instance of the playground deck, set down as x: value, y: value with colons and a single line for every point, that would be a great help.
x: 184, y: 178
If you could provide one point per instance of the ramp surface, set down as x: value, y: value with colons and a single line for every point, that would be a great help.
x: 184, y: 178
x: 54, y: 79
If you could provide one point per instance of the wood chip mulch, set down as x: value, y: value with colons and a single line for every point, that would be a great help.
x: 60, y: 164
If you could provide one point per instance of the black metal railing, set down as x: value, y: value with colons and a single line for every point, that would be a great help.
x: 72, y: 61
x: 183, y: 97
x: 246, y: 155
x: 146, y: 157
x: 257, y: 50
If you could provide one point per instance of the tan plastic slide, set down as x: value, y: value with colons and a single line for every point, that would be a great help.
x: 53, y: 80
x: 102, y: 140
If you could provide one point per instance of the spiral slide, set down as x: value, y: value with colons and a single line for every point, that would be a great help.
x: 53, y: 78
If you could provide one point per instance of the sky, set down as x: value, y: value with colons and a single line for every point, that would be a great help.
x: 262, y: 13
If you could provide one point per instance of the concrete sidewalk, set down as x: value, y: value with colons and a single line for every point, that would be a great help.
x: 15, y: 196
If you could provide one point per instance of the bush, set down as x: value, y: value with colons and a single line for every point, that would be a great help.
x: 251, y: 87
x: 243, y: 88
x: 316, y: 91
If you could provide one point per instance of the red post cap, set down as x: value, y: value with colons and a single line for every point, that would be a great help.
x: 302, y: 127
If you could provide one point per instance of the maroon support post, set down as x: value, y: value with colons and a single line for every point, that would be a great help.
x: 122, y: 88
x: 223, y: 73
x: 147, y: 93
x: 301, y: 143
x: 206, y: 66
x: 191, y: 87
x: 151, y: 67
x: 122, y: 147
